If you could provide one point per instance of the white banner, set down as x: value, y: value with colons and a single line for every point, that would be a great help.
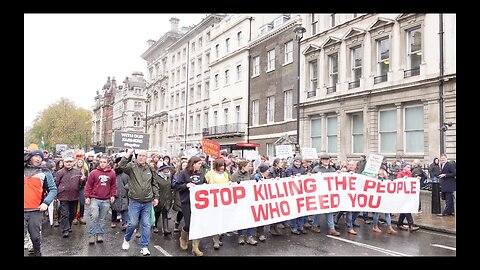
x: 219, y: 208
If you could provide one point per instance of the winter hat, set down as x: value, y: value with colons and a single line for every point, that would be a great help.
x: 298, y: 157
x: 163, y: 166
x: 37, y: 153
x: 262, y: 168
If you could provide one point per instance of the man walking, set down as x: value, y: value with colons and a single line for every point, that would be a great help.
x: 143, y: 193
x: 100, y: 192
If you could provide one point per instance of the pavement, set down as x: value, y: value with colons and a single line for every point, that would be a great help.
x: 429, y: 221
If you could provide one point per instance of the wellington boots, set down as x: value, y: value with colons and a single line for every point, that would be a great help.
x: 195, y: 250
x: 183, y: 240
x: 166, y: 231
x: 216, y: 241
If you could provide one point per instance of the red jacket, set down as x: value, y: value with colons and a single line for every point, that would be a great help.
x: 101, y: 184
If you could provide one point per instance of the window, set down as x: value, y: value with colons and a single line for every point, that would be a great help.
x: 388, y: 131
x: 256, y: 66
x: 313, y: 75
x: 136, y: 121
x: 217, y: 51
x: 193, y: 47
x: 271, y: 60
x: 332, y: 134
x: 177, y: 127
x: 192, y: 64
x: 239, y: 72
x: 316, y: 134
x: 216, y: 81
x: 357, y: 133
x: 173, y: 59
x: 356, y: 63
x: 191, y: 95
x: 197, y: 123
x: 208, y: 36
x: 288, y: 48
x: 172, y: 100
x: 205, y: 119
x: 225, y: 116
x: 171, y: 128
x: 199, y: 65
x: 207, y: 59
x: 270, y: 150
x: 414, y: 130
x: 177, y: 99
x: 181, y: 130
x: 255, y: 112
x: 183, y: 98
x: 332, y: 20
x: 288, y: 108
x: 238, y: 117
x: 314, y: 23
x: 207, y: 90
x: 270, y: 109
x: 414, y: 49
x: 383, y: 56
x: 227, y: 45
x: 199, y: 92
x: 239, y: 39
x: 215, y: 118
x: 190, y: 124
x: 333, y: 70
x: 200, y: 42
x: 184, y: 53
x: 137, y: 105
x: 227, y: 74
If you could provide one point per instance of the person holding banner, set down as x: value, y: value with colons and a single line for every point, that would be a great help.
x: 262, y: 174
x: 218, y: 175
x: 188, y: 178
x: 277, y: 171
x: 406, y: 172
x: 324, y: 167
x: 177, y: 203
x: 296, y: 169
x: 383, y: 176
x: 243, y: 173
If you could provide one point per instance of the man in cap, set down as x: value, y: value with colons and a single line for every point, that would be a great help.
x: 324, y: 167
x: 37, y: 179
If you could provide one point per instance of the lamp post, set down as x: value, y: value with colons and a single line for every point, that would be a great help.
x: 147, y: 100
x: 299, y: 30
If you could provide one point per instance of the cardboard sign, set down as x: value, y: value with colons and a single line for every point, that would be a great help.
x: 210, y: 147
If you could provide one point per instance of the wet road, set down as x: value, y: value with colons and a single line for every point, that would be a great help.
x: 365, y: 243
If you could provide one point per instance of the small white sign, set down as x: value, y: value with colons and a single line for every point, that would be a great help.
x: 373, y: 165
x: 283, y: 151
x: 250, y: 154
x: 190, y: 152
x: 309, y: 153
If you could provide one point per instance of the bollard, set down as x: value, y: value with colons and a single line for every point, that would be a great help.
x: 436, y: 208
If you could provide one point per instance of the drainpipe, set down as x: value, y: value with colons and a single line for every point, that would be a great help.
x: 436, y: 207
x: 186, y: 95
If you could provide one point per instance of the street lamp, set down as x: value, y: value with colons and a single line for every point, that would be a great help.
x: 147, y: 100
x: 299, y: 30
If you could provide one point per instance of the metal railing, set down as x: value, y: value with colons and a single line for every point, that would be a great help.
x: 379, y: 79
x: 228, y: 130
x: 411, y: 72
x: 331, y: 89
x: 311, y: 93
x: 353, y: 84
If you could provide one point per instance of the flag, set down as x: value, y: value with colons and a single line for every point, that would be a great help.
x: 42, y: 145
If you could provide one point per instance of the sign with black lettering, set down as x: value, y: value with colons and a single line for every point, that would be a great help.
x: 135, y: 140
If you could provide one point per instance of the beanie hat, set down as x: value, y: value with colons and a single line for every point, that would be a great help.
x: 298, y: 157
x: 37, y: 153
x: 262, y: 168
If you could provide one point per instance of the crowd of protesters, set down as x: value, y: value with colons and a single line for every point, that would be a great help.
x: 133, y: 186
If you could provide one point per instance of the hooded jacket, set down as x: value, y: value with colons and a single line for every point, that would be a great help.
x: 101, y: 184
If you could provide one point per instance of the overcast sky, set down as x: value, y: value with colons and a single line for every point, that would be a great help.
x: 71, y: 55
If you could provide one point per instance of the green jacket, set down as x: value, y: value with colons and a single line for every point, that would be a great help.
x: 142, y: 186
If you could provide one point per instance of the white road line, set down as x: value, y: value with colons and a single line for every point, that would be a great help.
x: 442, y: 246
x: 379, y: 249
x: 163, y: 251
x: 440, y: 234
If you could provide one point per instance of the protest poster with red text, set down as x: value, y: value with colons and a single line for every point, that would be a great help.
x: 219, y: 208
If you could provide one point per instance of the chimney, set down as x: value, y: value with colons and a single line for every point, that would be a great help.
x: 150, y: 42
x: 174, y: 24
x: 114, y: 83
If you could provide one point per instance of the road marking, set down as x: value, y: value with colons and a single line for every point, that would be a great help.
x: 442, y: 246
x: 163, y: 251
x: 379, y: 249
x: 439, y: 234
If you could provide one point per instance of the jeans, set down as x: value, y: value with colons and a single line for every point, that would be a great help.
x: 297, y: 223
x: 98, y: 212
x: 316, y: 220
x: 376, y: 217
x: 137, y: 209
x: 248, y: 231
x: 81, y: 200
